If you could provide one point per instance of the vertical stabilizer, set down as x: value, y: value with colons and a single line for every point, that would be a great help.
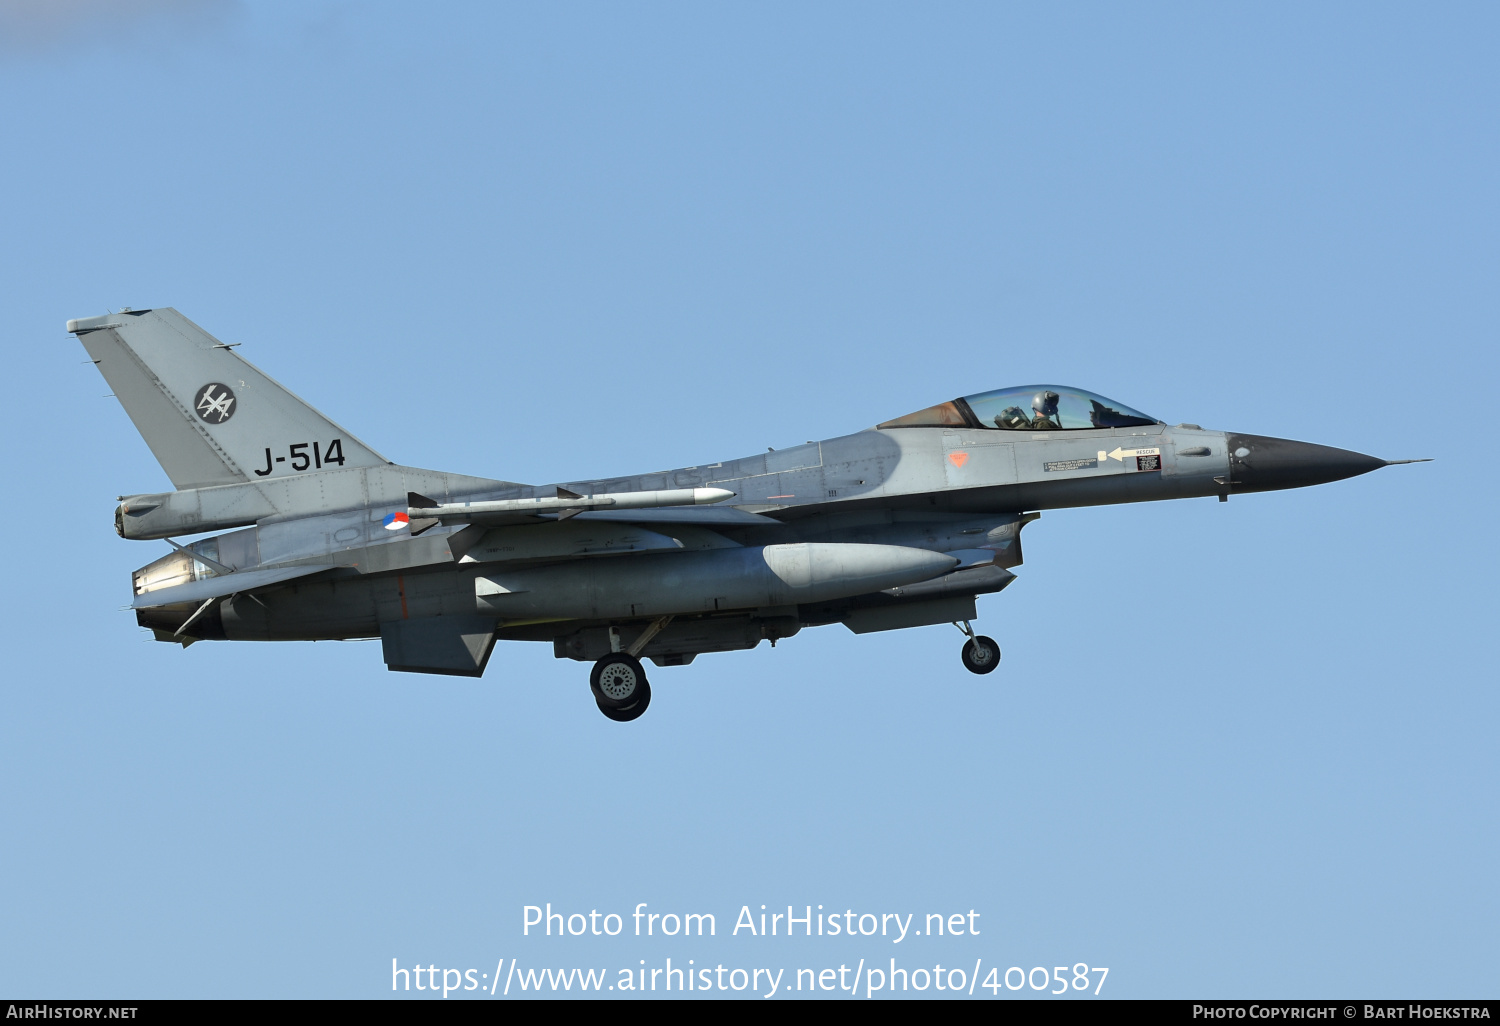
x: 209, y: 416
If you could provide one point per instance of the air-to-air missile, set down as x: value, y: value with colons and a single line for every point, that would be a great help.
x: 900, y: 525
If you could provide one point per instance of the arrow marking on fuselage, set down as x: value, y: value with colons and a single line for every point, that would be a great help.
x: 1120, y: 454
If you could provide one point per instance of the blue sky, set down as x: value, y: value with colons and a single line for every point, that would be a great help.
x: 1233, y: 750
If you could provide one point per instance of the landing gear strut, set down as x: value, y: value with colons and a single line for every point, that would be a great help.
x: 980, y: 654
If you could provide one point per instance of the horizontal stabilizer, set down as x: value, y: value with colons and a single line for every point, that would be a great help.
x: 224, y: 584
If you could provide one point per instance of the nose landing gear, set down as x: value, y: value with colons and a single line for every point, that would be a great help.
x: 980, y: 654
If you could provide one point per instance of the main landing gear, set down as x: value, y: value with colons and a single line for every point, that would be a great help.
x: 980, y: 654
x: 618, y: 681
x: 620, y: 687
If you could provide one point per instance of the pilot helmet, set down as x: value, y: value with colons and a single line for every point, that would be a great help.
x: 1045, y: 403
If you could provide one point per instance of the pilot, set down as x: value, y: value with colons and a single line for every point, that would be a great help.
x: 1044, y: 406
x: 1013, y: 418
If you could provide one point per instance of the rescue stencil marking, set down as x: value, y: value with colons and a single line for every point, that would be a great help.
x: 1088, y: 464
x: 1148, y: 462
x: 1120, y: 454
x: 958, y: 459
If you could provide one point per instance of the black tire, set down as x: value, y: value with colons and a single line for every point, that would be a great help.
x: 980, y: 654
x: 626, y: 715
x: 616, y: 679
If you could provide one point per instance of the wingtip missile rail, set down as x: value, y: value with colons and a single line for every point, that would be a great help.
x: 565, y: 504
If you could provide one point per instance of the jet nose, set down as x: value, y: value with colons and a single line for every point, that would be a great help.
x: 1261, y: 464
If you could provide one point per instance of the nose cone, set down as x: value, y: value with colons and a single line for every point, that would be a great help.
x: 1261, y: 464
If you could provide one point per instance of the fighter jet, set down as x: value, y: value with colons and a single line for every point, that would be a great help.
x: 903, y: 524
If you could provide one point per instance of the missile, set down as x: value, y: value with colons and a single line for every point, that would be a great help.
x: 564, y: 504
x: 684, y: 583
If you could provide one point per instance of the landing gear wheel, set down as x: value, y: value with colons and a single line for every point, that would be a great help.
x: 626, y: 715
x: 980, y: 654
x: 617, y: 681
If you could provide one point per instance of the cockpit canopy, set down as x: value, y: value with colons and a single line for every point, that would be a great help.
x: 1027, y: 408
